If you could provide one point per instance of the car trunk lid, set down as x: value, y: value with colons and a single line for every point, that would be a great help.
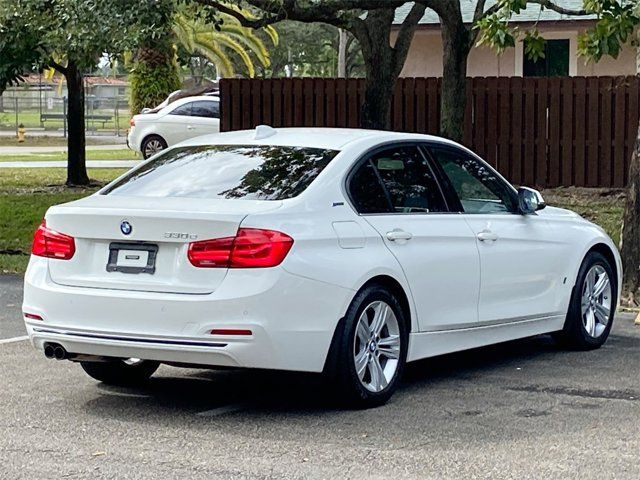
x: 154, y: 251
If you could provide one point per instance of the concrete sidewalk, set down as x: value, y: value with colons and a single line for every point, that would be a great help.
x: 63, y: 164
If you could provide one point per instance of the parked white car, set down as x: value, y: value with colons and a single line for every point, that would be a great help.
x: 348, y: 252
x: 189, y: 117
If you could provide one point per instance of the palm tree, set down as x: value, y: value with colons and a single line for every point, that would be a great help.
x: 219, y: 42
x: 155, y: 70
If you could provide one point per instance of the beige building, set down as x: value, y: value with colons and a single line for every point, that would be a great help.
x: 561, y: 32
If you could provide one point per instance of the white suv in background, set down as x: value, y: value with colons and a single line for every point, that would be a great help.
x: 180, y: 120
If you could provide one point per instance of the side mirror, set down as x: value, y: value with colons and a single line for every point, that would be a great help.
x: 529, y: 201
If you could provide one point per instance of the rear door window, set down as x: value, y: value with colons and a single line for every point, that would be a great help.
x: 206, y: 109
x: 397, y: 180
x: 184, y: 110
x: 264, y: 172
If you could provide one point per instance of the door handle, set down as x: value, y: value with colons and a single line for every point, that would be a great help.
x: 487, y: 236
x: 397, y: 234
x: 189, y: 127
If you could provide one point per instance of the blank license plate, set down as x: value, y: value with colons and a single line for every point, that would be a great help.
x: 132, y: 258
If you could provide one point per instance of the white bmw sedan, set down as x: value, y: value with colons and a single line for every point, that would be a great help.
x: 348, y: 252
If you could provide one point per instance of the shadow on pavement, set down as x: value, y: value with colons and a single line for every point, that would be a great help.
x: 196, y: 391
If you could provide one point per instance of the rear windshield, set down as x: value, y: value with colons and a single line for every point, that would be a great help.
x: 229, y: 171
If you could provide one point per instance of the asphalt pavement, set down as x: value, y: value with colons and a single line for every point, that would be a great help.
x: 524, y: 409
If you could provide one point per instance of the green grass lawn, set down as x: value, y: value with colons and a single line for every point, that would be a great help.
x: 25, y: 195
x: 118, y: 154
x: 47, y: 141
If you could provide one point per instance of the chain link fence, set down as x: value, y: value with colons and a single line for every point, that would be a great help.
x: 48, y: 114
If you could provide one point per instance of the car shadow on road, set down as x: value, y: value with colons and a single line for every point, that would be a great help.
x: 210, y: 393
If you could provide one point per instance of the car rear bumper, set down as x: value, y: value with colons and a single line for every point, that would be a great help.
x: 292, y: 320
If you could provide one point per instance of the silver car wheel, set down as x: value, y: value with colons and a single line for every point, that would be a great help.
x: 376, y: 346
x: 152, y: 147
x: 596, y: 301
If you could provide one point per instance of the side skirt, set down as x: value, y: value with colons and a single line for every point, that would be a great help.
x: 430, y: 344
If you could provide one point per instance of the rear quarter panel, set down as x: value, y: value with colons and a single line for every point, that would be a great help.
x: 320, y: 255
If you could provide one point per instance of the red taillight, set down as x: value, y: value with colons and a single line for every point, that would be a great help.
x: 250, y: 248
x: 132, y: 122
x: 32, y: 316
x: 51, y: 244
x: 211, y: 253
x: 254, y: 248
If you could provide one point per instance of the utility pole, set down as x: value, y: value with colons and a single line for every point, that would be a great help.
x: 343, y: 44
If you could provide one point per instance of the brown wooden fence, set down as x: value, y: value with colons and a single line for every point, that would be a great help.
x: 545, y: 132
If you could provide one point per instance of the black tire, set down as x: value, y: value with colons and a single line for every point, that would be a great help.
x: 341, y: 367
x: 148, y: 142
x: 574, y: 335
x: 118, y: 372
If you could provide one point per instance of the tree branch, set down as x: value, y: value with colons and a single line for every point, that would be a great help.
x: 58, y: 67
x: 479, y: 13
x: 407, y: 30
x: 244, y: 21
x: 557, y: 8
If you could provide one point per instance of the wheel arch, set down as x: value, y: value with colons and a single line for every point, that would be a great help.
x: 397, y: 290
x: 147, y: 136
x: 606, y: 251
x: 391, y: 284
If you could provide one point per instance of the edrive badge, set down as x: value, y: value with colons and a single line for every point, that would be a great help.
x: 126, y: 228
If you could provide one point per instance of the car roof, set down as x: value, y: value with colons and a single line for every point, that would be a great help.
x: 182, y: 101
x: 312, y: 137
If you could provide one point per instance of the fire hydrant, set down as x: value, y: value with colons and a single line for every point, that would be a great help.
x: 21, y: 133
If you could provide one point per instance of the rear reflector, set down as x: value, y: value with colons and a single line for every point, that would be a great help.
x: 250, y: 248
x: 51, y: 244
x: 132, y: 122
x: 230, y: 331
x: 32, y: 316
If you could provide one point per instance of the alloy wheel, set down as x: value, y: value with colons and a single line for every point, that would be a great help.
x: 596, y: 301
x: 376, y: 346
x: 152, y: 147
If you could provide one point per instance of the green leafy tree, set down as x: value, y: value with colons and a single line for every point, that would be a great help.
x: 311, y: 50
x: 154, y: 72
x: 369, y: 21
x: 69, y: 36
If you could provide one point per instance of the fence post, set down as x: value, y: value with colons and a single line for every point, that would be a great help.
x: 64, y: 116
x: 115, y: 115
x: 15, y: 99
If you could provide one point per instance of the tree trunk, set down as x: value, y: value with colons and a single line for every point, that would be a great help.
x: 76, y: 168
x: 376, y: 108
x: 630, y: 251
x: 383, y: 62
x: 456, y: 47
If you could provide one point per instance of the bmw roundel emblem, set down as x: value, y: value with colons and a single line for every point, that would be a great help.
x: 126, y: 228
